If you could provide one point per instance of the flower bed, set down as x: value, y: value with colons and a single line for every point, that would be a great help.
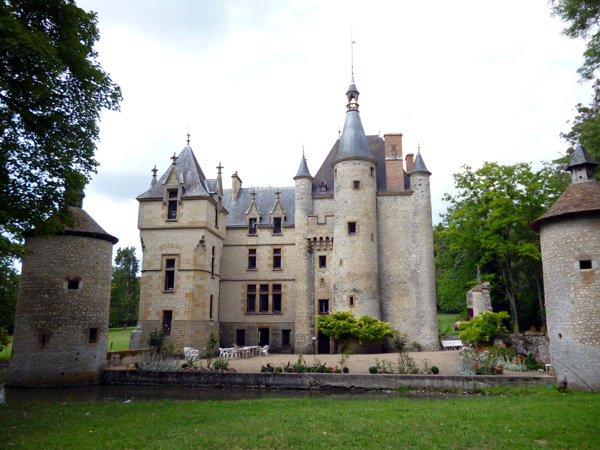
x: 492, y: 360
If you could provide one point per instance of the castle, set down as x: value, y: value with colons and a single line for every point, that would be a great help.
x: 258, y: 265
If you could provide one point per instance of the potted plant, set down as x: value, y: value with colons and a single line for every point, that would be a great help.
x: 416, y: 346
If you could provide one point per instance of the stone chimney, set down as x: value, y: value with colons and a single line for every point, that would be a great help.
x: 410, y: 159
x: 394, y: 170
x: 236, y: 185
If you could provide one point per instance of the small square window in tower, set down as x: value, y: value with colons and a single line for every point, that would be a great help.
x: 93, y: 336
x: 323, y: 307
x: 170, y: 274
x: 351, y: 227
x: 322, y: 261
x: 585, y: 264
x: 172, y: 205
x: 276, y: 258
x: 72, y: 284
x: 251, y: 259
x: 276, y: 225
x: 356, y: 184
x: 252, y: 225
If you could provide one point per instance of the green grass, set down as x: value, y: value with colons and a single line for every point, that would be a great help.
x: 540, y: 419
x: 118, y: 336
x: 446, y: 323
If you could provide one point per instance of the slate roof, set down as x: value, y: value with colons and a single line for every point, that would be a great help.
x: 303, y: 169
x: 419, y: 164
x: 265, y: 200
x: 353, y: 142
x: 194, y: 181
x: 578, y: 198
x: 325, y: 173
x: 581, y: 156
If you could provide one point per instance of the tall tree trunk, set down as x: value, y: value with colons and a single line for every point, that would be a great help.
x: 509, y: 283
x: 540, y: 291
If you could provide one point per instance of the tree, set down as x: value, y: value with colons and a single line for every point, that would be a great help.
x: 52, y: 90
x: 487, y: 223
x: 582, y: 17
x: 125, y: 292
x: 9, y: 285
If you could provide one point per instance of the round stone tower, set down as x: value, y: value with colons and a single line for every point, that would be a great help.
x: 305, y: 303
x: 356, y: 268
x: 570, y: 241
x: 61, y: 326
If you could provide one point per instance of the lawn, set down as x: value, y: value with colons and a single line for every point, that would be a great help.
x: 117, y: 336
x: 446, y: 323
x: 540, y: 418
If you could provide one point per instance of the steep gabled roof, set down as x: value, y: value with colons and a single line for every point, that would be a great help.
x: 265, y: 199
x: 190, y: 175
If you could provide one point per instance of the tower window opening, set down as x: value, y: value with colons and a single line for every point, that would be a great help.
x: 351, y: 227
x: 322, y: 261
x: 212, y: 263
x: 210, y: 311
x: 172, y: 206
x: 372, y: 171
x: 72, y: 284
x: 170, y: 274
x: 351, y: 301
x: 43, y: 340
x: 356, y: 184
x: 323, y: 307
x: 585, y: 264
x: 251, y: 298
x: 93, y: 336
x: 216, y: 217
x: 166, y: 323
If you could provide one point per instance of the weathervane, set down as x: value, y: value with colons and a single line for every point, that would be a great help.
x: 188, y: 136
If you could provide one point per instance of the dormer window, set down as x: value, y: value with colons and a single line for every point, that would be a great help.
x: 252, y: 225
x: 323, y: 186
x: 276, y: 225
x: 172, y: 204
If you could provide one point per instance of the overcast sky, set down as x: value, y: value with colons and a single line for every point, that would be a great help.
x: 254, y: 81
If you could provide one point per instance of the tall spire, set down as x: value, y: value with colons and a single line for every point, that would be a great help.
x: 303, y: 171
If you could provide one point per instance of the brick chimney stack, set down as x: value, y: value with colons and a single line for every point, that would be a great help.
x: 394, y: 171
x: 410, y: 159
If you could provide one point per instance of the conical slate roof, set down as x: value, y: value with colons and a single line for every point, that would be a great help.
x: 353, y: 142
x: 303, y: 171
x: 190, y: 175
x: 87, y: 227
x: 419, y: 164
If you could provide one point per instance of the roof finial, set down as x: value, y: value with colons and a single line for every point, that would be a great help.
x: 253, y: 194
x: 219, y: 167
x: 174, y: 158
x: 277, y: 193
x: 303, y: 150
x: 419, y: 146
x: 188, y: 136
x: 153, y: 176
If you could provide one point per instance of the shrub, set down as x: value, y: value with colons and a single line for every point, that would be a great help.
x: 482, y: 328
x: 345, y: 370
x: 399, y: 341
x: 157, y: 362
x: 212, y: 343
x: 221, y: 364
x: 337, y: 371
x: 372, y: 369
x: 343, y: 326
x: 531, y: 363
x: 156, y: 340
x: 435, y: 370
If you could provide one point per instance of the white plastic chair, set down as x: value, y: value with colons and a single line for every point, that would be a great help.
x: 264, y: 351
x: 190, y: 353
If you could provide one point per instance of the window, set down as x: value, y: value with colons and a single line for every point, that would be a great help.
x: 264, y: 298
x: 251, y: 298
x: 212, y: 263
x: 276, y: 258
x: 276, y: 225
x: 252, y: 225
x: 172, y: 206
x: 93, y: 336
x: 351, y: 301
x: 166, y: 323
x: 72, y: 284
x: 217, y: 217
x: 43, y: 339
x: 356, y: 184
x: 323, y: 307
x: 322, y: 261
x: 276, y: 298
x: 351, y: 227
x: 210, y: 315
x: 323, y: 186
x: 263, y: 336
x: 585, y: 264
x: 170, y: 274
x: 251, y: 259
x: 372, y: 170
x: 286, y: 338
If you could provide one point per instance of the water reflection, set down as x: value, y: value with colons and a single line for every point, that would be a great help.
x: 150, y: 393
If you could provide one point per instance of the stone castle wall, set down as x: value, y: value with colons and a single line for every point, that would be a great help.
x: 54, y: 343
x: 573, y: 298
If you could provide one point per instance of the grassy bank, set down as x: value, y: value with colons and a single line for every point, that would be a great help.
x: 446, y: 323
x: 540, y: 419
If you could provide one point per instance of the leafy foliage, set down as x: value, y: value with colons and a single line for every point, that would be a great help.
x: 156, y: 340
x: 9, y: 284
x: 52, y: 90
x: 481, y: 329
x: 487, y: 223
x: 125, y: 292
x: 343, y: 326
x: 212, y: 343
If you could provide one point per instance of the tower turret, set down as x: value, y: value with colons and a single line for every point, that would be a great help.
x: 356, y: 280
x: 305, y: 309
